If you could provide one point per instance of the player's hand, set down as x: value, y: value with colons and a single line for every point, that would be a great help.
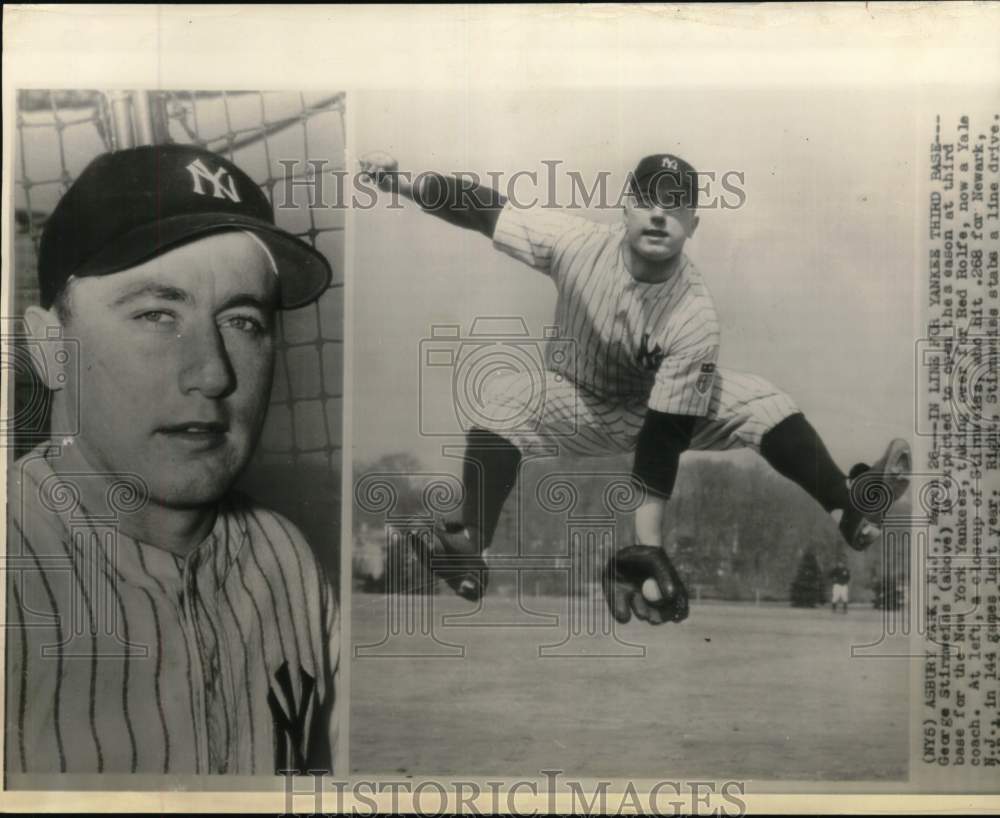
x: 380, y: 167
x: 641, y: 580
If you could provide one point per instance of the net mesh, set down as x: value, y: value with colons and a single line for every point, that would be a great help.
x: 59, y: 132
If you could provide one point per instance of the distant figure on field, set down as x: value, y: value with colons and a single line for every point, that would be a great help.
x: 841, y: 577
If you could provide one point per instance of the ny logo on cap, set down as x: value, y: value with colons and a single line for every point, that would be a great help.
x: 668, y: 162
x: 223, y: 186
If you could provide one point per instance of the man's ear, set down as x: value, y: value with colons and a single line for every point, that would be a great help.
x: 626, y: 208
x: 47, y: 347
x: 694, y: 226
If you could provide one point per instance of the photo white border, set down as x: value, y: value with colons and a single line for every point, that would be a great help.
x: 890, y: 44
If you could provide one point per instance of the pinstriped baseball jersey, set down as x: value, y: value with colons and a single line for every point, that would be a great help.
x: 123, y: 657
x: 658, y: 341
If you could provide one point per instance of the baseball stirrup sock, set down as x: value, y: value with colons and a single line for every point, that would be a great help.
x: 795, y: 450
x: 488, y: 476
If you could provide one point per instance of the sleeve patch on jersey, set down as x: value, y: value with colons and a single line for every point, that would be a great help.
x: 704, y: 382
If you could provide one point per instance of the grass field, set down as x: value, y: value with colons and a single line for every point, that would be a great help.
x: 754, y: 693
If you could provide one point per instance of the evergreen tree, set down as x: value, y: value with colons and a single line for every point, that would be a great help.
x: 807, y: 586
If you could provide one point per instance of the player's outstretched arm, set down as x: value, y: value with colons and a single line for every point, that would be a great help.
x: 640, y: 579
x: 662, y: 440
x: 459, y: 200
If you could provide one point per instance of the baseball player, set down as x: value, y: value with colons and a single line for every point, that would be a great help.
x: 644, y: 378
x: 158, y: 621
x: 840, y: 576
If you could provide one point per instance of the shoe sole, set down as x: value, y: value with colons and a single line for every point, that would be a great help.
x: 893, y: 470
x: 467, y: 586
x: 895, y: 467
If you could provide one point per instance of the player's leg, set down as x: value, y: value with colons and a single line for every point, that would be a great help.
x: 858, y: 500
x: 518, y: 414
x: 748, y: 411
x: 489, y: 473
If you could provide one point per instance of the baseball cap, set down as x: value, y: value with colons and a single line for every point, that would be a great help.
x: 129, y: 206
x: 667, y: 179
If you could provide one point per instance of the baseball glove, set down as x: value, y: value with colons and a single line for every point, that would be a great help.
x: 623, y: 580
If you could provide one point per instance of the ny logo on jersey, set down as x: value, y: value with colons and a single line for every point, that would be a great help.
x: 299, y: 735
x: 223, y: 186
x: 649, y: 358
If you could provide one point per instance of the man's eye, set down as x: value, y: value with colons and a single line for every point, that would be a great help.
x: 245, y: 323
x: 156, y: 317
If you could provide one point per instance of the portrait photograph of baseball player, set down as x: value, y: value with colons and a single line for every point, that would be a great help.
x: 172, y: 546
x: 637, y: 358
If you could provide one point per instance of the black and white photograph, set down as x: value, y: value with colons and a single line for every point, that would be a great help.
x: 175, y: 443
x: 500, y: 409
x: 643, y: 366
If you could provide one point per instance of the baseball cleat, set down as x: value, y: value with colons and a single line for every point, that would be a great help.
x: 873, y: 490
x: 456, y: 558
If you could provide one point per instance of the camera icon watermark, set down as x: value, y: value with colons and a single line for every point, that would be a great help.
x: 498, y: 377
x: 33, y: 367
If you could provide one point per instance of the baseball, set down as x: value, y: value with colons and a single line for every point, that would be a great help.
x: 651, y: 591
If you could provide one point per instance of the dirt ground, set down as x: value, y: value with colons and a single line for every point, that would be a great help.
x: 736, y: 691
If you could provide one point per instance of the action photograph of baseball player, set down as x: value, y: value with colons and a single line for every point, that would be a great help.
x: 706, y: 381
x: 644, y: 378
x: 172, y: 562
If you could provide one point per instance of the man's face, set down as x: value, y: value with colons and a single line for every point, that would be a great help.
x: 657, y: 231
x: 177, y: 357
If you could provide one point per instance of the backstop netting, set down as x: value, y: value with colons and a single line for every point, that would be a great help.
x: 270, y: 135
x: 60, y: 132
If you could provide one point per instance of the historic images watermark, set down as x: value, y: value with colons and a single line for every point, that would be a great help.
x: 31, y: 365
x: 311, y: 182
x: 585, y: 508
x: 463, y: 364
x: 433, y: 797
x: 83, y: 606
x: 916, y: 544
